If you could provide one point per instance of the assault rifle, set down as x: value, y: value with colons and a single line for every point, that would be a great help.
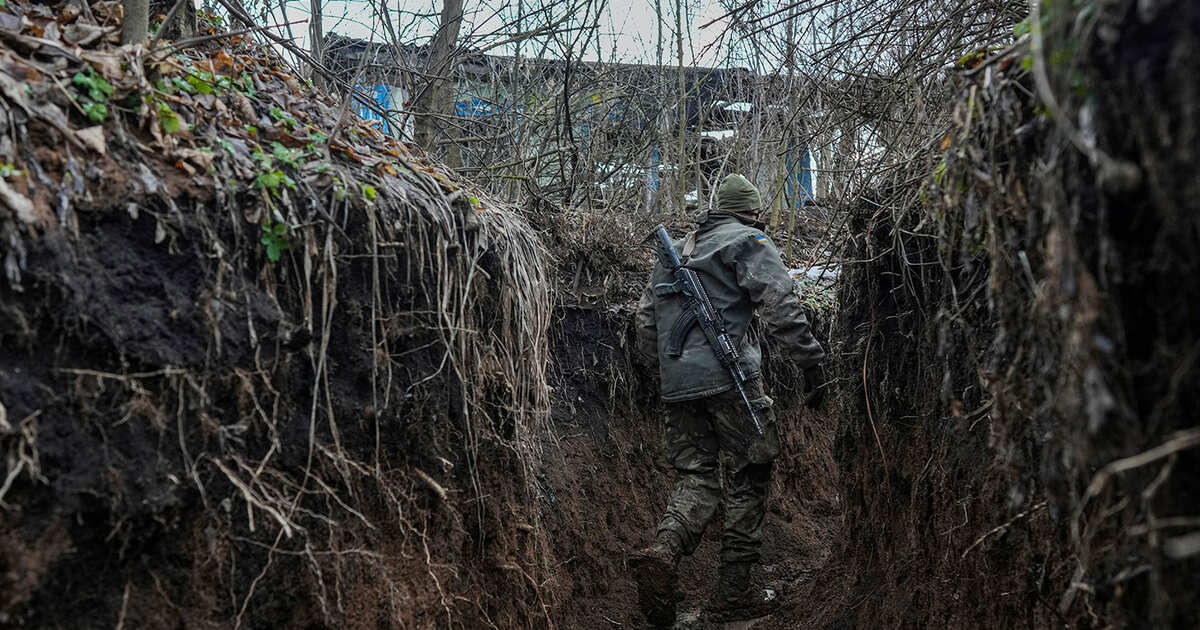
x: 698, y: 310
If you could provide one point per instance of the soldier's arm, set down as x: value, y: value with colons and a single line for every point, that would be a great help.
x: 647, y: 332
x: 761, y: 272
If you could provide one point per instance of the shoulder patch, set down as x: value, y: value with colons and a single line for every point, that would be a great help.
x: 762, y: 238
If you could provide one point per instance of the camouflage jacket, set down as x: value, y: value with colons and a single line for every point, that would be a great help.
x: 741, y: 270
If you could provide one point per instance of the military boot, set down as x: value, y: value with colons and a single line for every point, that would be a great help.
x: 737, y: 599
x: 655, y: 571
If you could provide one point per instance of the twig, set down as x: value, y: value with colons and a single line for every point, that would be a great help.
x: 867, y: 397
x: 124, y: 605
x: 430, y: 483
x: 192, y: 41
x: 1183, y: 440
x: 162, y: 28
x: 254, y: 584
x: 1002, y: 528
x: 121, y: 377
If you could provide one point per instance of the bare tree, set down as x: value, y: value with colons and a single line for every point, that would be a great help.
x: 137, y: 21
x: 435, y: 103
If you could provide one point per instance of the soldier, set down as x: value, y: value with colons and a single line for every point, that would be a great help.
x: 741, y: 270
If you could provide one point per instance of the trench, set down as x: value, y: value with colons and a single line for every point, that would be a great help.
x: 398, y: 412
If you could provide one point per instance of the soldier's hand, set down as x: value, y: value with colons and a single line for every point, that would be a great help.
x: 814, y: 386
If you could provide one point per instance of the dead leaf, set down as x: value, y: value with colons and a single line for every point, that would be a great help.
x: 109, y: 11
x: 20, y: 205
x: 93, y: 138
x: 82, y: 34
x: 252, y: 212
x: 346, y: 151
x: 150, y: 182
x: 35, y: 45
x: 49, y: 112
x: 224, y: 63
x: 10, y: 22
x: 108, y: 63
x: 70, y: 11
x: 203, y: 159
x: 290, y: 141
x: 243, y: 107
x: 41, y: 10
x: 166, y: 66
x: 51, y: 32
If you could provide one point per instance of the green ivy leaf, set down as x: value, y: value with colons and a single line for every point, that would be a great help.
x: 185, y: 86
x: 247, y: 84
x: 268, y: 180
x: 275, y: 239
x: 96, y: 112
x: 97, y: 88
x: 199, y: 84
x: 285, y: 155
x: 278, y: 115
x: 369, y: 192
x: 168, y: 118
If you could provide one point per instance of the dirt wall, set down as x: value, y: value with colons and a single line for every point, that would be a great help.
x: 260, y: 366
x: 1017, y: 444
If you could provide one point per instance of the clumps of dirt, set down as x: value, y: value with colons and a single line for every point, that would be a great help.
x: 1018, y: 445
x: 601, y: 258
x: 261, y: 366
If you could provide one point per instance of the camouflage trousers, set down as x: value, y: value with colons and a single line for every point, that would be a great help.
x: 699, y: 435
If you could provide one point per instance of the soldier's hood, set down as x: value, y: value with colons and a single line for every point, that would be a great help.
x: 716, y: 218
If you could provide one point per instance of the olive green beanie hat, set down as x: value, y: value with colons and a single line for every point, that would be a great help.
x: 737, y: 195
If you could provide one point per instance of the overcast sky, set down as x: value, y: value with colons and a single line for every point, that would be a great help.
x: 627, y: 28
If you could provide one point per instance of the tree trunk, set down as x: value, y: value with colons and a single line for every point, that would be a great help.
x: 681, y: 167
x: 317, y: 39
x: 435, y: 105
x: 137, y: 21
x: 181, y: 25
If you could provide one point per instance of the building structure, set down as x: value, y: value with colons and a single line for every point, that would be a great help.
x: 611, y: 109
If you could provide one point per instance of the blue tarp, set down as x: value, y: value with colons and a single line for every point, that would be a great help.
x: 800, y: 176
x: 382, y: 95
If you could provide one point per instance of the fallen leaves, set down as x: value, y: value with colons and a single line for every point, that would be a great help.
x: 93, y: 138
x: 22, y: 95
x: 223, y: 118
x: 20, y: 205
